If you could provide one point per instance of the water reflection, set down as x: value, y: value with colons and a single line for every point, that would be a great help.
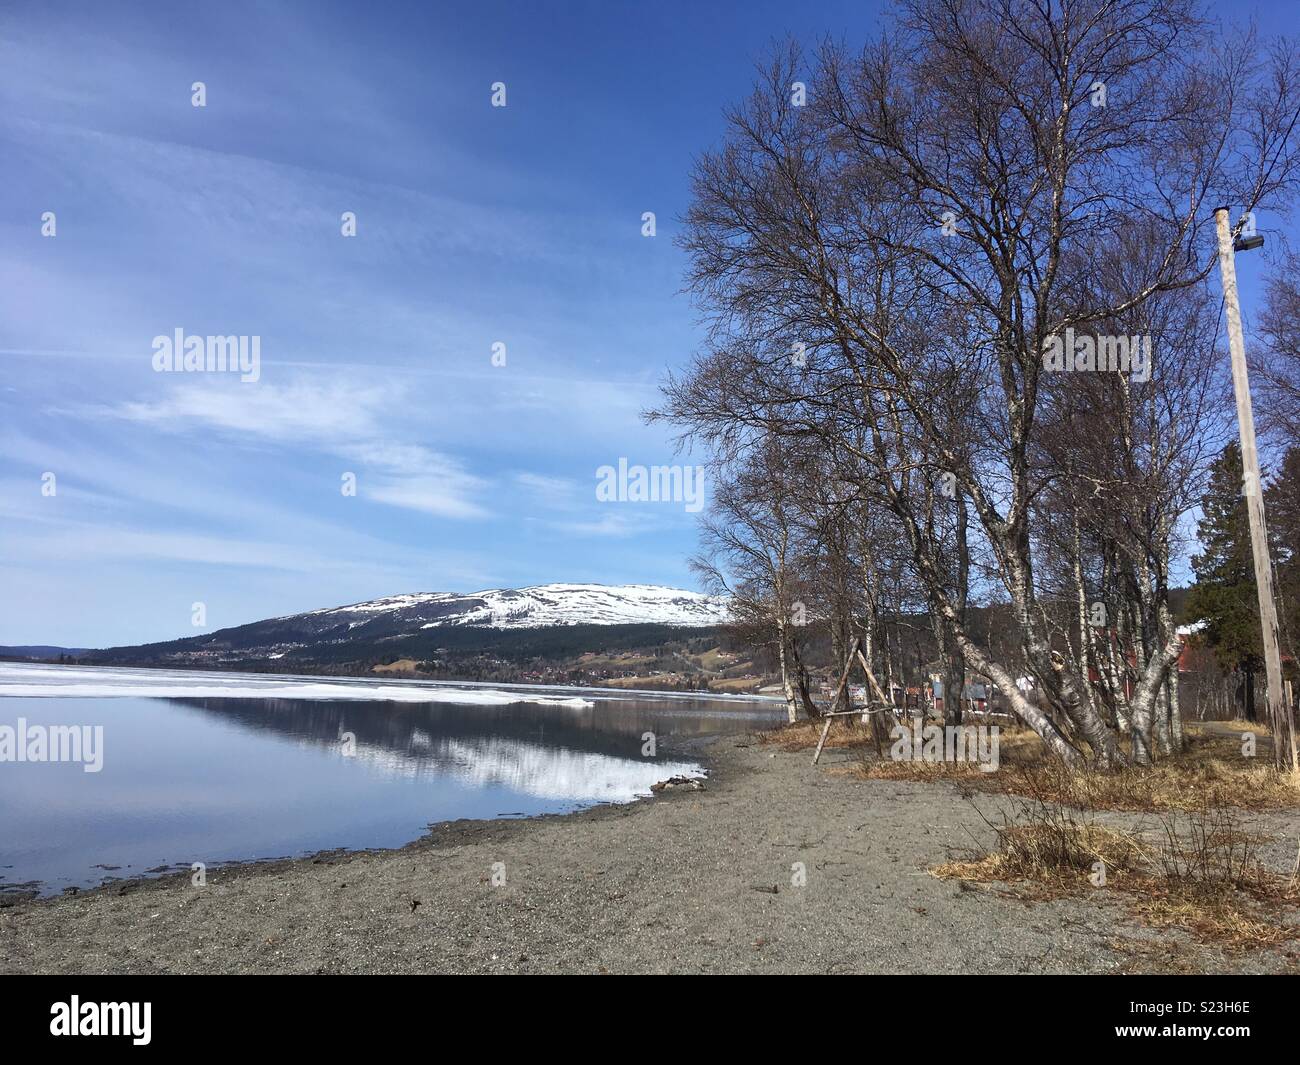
x: 576, y: 755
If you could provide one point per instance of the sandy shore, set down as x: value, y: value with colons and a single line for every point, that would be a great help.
x: 690, y: 882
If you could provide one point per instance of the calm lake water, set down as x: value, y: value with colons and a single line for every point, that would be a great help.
x: 216, y: 767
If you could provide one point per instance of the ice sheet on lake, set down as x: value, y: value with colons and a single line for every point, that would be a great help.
x: 33, y: 680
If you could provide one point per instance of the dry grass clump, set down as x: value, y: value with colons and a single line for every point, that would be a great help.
x: 1229, y: 921
x: 1042, y: 842
x: 1047, y: 853
x: 1018, y: 747
x: 1203, y: 876
x: 1260, y: 728
x: 1210, y: 883
x: 1210, y: 769
x: 803, y: 735
x: 1204, y: 773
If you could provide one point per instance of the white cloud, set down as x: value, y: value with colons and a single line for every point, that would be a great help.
x: 440, y: 496
x: 91, y: 542
x: 343, y: 419
x: 304, y: 412
x: 612, y: 523
x: 583, y: 514
x: 550, y: 491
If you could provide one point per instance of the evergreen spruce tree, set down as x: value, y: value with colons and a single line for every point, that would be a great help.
x: 1282, y: 502
x: 1224, y: 594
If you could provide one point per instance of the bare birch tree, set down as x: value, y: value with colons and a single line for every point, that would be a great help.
x: 934, y: 219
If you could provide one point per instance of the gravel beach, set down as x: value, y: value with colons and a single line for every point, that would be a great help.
x: 685, y: 882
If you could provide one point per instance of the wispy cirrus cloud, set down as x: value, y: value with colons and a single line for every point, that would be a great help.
x: 611, y: 523
x: 546, y: 490
x: 571, y: 507
x: 301, y: 412
x: 343, y: 419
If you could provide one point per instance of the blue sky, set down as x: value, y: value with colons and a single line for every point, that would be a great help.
x: 476, y: 225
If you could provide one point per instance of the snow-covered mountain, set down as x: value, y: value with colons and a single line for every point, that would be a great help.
x: 539, y: 606
x: 430, y: 623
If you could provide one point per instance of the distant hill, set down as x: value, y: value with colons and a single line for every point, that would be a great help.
x: 494, y: 634
x: 40, y: 651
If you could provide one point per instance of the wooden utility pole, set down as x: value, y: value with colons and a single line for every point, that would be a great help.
x: 1278, y: 712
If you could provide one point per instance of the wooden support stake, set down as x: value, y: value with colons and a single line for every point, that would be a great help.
x: 826, y: 728
x: 855, y: 652
x: 848, y: 667
x: 871, y: 678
